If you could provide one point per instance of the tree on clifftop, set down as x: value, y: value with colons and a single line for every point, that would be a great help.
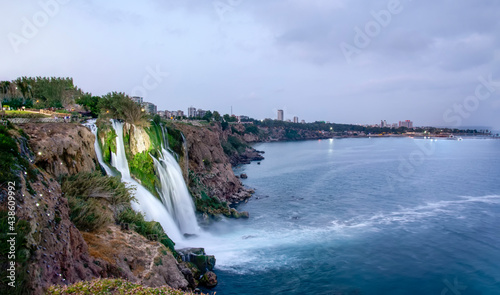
x: 118, y: 105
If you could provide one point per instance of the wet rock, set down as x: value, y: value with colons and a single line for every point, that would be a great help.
x: 209, y: 279
x: 198, y: 257
x: 243, y: 176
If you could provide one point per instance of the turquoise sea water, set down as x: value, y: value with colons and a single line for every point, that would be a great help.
x: 366, y: 216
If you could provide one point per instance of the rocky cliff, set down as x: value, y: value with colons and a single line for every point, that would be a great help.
x: 50, y: 249
x: 210, y: 167
x: 62, y: 149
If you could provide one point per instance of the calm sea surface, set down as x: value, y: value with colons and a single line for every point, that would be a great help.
x: 366, y: 216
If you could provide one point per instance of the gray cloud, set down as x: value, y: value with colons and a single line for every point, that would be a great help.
x: 258, y: 56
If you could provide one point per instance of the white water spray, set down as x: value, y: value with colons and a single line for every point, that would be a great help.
x: 174, y: 193
x: 145, y: 201
x: 93, y: 127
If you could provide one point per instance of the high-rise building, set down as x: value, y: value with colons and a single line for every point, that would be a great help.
x: 137, y: 99
x: 201, y: 113
x: 406, y: 123
x: 191, y: 112
x: 281, y: 115
x: 180, y: 113
x: 295, y: 119
x: 149, y: 108
x: 383, y: 123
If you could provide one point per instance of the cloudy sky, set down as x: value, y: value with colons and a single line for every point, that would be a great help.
x: 346, y: 61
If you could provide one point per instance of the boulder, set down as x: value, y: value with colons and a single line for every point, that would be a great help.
x: 209, y: 279
x: 243, y: 176
x: 199, y: 258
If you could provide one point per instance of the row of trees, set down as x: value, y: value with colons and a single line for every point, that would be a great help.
x: 39, y: 92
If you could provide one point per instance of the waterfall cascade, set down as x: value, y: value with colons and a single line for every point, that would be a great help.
x: 145, y: 201
x: 93, y: 127
x: 174, y: 193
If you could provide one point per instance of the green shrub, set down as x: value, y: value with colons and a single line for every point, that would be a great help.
x: 90, y: 196
x: 252, y: 129
x: 175, y: 140
x: 146, y: 228
x: 292, y: 134
x: 9, y: 156
x: 233, y: 145
x: 89, y: 214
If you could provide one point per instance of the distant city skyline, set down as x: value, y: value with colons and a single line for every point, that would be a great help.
x: 315, y: 61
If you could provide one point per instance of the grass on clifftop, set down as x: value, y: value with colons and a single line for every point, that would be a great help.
x: 111, y: 286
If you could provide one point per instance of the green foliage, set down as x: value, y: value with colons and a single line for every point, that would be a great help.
x: 109, y: 146
x: 9, y: 157
x: 210, y: 205
x: 90, y: 103
x: 157, y: 119
x: 90, y: 196
x: 292, y: 134
x: 235, y: 131
x: 118, y: 105
x: 89, y: 214
x: 175, y: 140
x: 252, y: 129
x: 112, y: 286
x: 142, y: 167
x: 155, y: 135
x: 233, y: 145
x: 17, y: 102
x: 145, y: 228
x: 208, y: 116
x: 22, y: 254
x: 40, y: 92
x: 217, y: 116
x: 228, y: 118
x: 224, y: 125
x: 23, y: 114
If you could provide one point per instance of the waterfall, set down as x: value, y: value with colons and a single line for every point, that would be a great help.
x: 174, y: 193
x: 93, y: 127
x: 145, y: 201
x: 119, y: 160
x: 164, y: 132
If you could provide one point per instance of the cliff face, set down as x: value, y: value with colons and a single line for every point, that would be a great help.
x: 139, y: 140
x: 210, y: 168
x: 62, y: 149
x: 55, y: 251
